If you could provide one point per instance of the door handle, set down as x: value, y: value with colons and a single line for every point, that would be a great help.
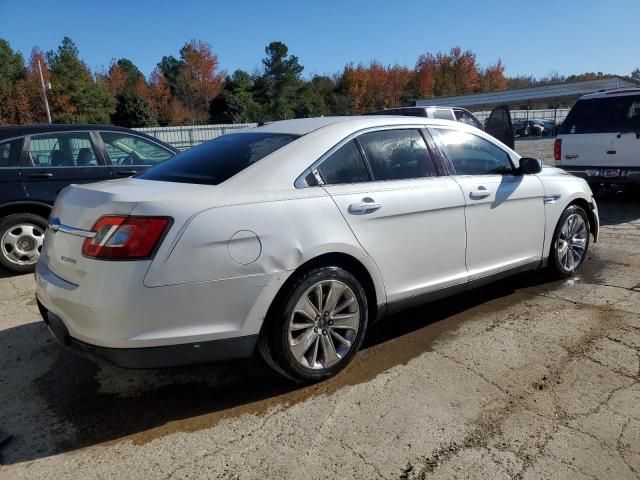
x: 480, y: 193
x: 126, y: 172
x: 366, y: 206
x: 40, y: 175
x: 611, y: 152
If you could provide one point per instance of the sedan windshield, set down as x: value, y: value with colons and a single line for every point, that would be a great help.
x: 218, y: 160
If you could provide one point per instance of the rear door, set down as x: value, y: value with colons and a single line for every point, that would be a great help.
x: 11, y: 186
x: 56, y: 160
x: 499, y: 125
x: 405, y: 214
x: 627, y: 142
x: 130, y: 154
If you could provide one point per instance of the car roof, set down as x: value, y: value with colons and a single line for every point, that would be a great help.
x: 303, y: 126
x: 12, y: 131
x: 618, y: 92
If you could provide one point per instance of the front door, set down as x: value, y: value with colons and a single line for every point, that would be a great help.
x: 407, y: 217
x: 505, y: 215
x: 56, y: 160
x: 130, y: 154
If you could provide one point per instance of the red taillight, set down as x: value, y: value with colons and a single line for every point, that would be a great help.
x: 557, y: 149
x: 125, y: 237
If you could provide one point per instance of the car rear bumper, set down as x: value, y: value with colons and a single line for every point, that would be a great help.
x: 152, y: 357
x: 606, y: 175
x: 115, y: 317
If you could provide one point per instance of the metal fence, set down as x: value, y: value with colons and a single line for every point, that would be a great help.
x: 189, y: 136
x: 543, y: 114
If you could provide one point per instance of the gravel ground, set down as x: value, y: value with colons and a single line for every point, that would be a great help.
x: 523, y: 379
x: 541, y: 148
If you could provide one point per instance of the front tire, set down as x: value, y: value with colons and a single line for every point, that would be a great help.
x: 21, y: 239
x: 316, y: 326
x: 570, y: 242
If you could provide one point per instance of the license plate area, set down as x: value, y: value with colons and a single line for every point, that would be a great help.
x: 611, y: 172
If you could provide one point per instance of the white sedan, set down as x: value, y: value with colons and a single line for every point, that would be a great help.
x: 291, y: 238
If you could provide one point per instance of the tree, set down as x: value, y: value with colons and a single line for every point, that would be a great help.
x: 492, y: 78
x: 227, y: 108
x: 636, y: 74
x: 75, y: 96
x: 198, y: 82
x: 132, y: 111
x: 13, y: 100
x: 278, y: 86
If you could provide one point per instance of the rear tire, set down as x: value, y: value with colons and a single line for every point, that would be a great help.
x: 316, y: 326
x: 21, y: 239
x: 570, y: 242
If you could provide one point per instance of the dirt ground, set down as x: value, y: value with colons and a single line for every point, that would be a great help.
x: 523, y: 379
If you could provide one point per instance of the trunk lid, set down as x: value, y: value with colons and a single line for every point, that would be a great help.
x: 80, y: 206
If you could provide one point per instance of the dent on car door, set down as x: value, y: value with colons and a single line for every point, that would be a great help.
x: 409, y: 219
x: 499, y: 125
x: 504, y: 210
x: 56, y: 160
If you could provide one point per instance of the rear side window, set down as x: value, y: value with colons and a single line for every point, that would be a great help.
x: 218, y: 160
x: 73, y: 149
x: 345, y: 165
x: 466, y: 117
x: 603, y: 115
x: 397, y: 154
x: 10, y: 153
x: 443, y: 114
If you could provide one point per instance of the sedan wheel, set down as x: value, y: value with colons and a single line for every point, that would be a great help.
x: 324, y: 324
x: 316, y: 324
x: 570, y: 242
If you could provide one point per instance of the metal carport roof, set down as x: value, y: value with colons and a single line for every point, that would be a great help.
x: 520, y: 96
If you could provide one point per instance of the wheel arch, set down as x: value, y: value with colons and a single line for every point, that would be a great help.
x: 36, y: 208
x: 375, y: 292
x: 586, y: 206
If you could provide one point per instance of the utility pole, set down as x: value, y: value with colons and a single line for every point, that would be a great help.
x: 44, y: 93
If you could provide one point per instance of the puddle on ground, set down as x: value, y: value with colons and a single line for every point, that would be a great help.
x: 189, y: 399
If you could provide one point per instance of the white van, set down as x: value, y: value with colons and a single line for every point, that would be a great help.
x: 600, y: 138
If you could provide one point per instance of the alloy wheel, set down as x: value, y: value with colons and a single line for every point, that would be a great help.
x: 572, y: 242
x: 324, y: 324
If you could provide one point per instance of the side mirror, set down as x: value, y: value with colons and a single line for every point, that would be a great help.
x: 529, y: 165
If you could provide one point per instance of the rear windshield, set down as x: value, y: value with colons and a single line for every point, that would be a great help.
x: 604, y: 115
x: 218, y: 160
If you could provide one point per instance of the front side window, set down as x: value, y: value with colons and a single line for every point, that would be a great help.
x: 217, y: 160
x: 603, y: 115
x: 124, y: 150
x: 472, y: 155
x: 397, y: 154
x: 345, y: 165
x: 73, y: 149
x: 10, y: 153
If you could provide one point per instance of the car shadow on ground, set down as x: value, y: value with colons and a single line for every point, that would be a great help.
x: 618, y: 206
x: 69, y: 403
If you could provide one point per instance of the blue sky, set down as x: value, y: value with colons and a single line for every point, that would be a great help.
x: 530, y: 37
